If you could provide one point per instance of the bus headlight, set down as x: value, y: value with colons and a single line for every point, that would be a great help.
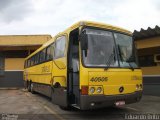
x: 92, y: 90
x: 99, y: 90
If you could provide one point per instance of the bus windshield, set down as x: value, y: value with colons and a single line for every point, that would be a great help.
x: 106, y: 48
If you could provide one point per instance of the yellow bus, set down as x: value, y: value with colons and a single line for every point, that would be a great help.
x: 89, y: 65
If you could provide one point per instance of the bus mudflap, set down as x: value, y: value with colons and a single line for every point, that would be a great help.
x: 59, y: 96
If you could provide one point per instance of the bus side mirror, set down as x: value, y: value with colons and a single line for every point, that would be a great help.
x: 84, y: 41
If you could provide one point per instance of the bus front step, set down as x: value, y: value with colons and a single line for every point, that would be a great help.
x: 75, y: 105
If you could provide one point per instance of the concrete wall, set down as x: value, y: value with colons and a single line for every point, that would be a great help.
x: 12, y: 79
x: 13, y: 74
x: 151, y: 85
x: 150, y: 71
x: 148, y: 42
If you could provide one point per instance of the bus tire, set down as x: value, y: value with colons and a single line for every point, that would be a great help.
x: 32, y: 89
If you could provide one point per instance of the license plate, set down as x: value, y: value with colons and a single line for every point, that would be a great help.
x: 120, y: 103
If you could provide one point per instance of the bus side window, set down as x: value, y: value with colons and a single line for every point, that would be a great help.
x: 31, y: 59
x: 42, y: 55
x: 49, y: 52
x: 60, y: 47
x: 28, y: 62
x: 36, y: 59
x: 52, y: 50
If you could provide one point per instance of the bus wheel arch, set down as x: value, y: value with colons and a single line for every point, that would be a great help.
x: 57, y: 85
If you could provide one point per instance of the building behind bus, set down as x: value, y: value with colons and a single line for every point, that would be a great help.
x: 13, y: 50
x: 148, y: 47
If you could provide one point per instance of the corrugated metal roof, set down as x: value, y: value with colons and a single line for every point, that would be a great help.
x: 146, y: 33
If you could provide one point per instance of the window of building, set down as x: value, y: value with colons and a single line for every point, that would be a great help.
x: 60, y: 47
x: 146, y: 61
x: 158, y: 57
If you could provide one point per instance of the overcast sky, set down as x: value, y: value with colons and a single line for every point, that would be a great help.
x: 53, y: 16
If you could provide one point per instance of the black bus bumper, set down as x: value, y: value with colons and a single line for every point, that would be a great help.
x: 101, y: 101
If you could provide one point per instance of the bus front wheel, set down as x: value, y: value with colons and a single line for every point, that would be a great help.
x: 65, y: 108
x: 32, y: 89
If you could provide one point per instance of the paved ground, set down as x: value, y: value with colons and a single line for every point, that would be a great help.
x: 19, y: 104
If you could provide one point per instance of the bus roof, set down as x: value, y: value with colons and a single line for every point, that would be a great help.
x: 98, y: 24
x: 78, y: 24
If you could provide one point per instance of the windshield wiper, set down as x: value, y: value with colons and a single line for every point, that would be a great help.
x: 109, y: 61
x: 119, y: 52
x: 131, y: 66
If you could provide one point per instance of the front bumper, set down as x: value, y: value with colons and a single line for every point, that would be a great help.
x: 101, y: 101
